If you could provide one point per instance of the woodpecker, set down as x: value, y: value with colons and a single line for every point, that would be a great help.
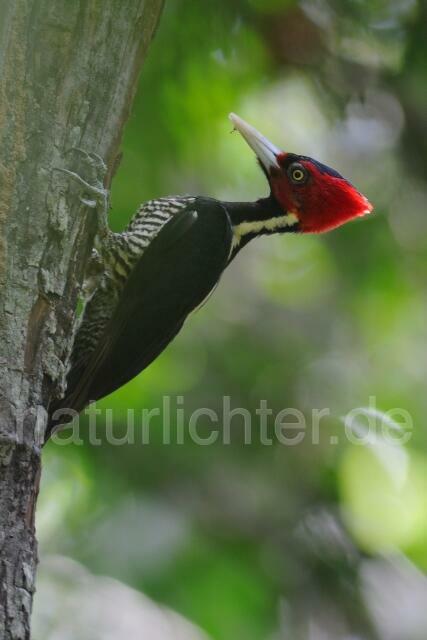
x: 172, y: 255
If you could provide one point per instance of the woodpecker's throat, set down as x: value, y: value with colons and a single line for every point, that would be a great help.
x: 252, y: 219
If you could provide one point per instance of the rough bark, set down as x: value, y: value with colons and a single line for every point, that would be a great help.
x: 68, y: 71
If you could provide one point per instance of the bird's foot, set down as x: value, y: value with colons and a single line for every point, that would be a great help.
x: 94, y: 271
x: 93, y: 159
x: 97, y: 196
x: 100, y: 195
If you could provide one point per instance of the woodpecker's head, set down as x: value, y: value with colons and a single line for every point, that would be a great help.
x: 318, y: 196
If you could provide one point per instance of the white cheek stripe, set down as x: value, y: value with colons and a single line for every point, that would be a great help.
x: 272, y: 224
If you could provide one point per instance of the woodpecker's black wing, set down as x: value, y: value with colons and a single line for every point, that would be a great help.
x: 173, y: 276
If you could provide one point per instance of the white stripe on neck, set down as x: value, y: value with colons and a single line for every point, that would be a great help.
x: 272, y: 224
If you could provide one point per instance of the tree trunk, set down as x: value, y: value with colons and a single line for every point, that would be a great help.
x: 68, y: 73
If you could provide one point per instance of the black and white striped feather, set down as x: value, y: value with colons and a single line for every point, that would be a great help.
x: 156, y: 272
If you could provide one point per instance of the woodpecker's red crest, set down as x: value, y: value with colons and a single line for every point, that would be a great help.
x: 319, y: 196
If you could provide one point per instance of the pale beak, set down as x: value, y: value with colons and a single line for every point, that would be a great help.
x: 265, y: 150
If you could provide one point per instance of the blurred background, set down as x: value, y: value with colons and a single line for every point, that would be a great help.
x: 325, y: 539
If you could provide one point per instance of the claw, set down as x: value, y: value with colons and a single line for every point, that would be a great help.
x: 98, y: 196
x: 93, y: 157
x: 97, y: 191
x: 89, y: 203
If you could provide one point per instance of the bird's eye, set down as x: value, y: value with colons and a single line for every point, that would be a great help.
x: 297, y: 173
